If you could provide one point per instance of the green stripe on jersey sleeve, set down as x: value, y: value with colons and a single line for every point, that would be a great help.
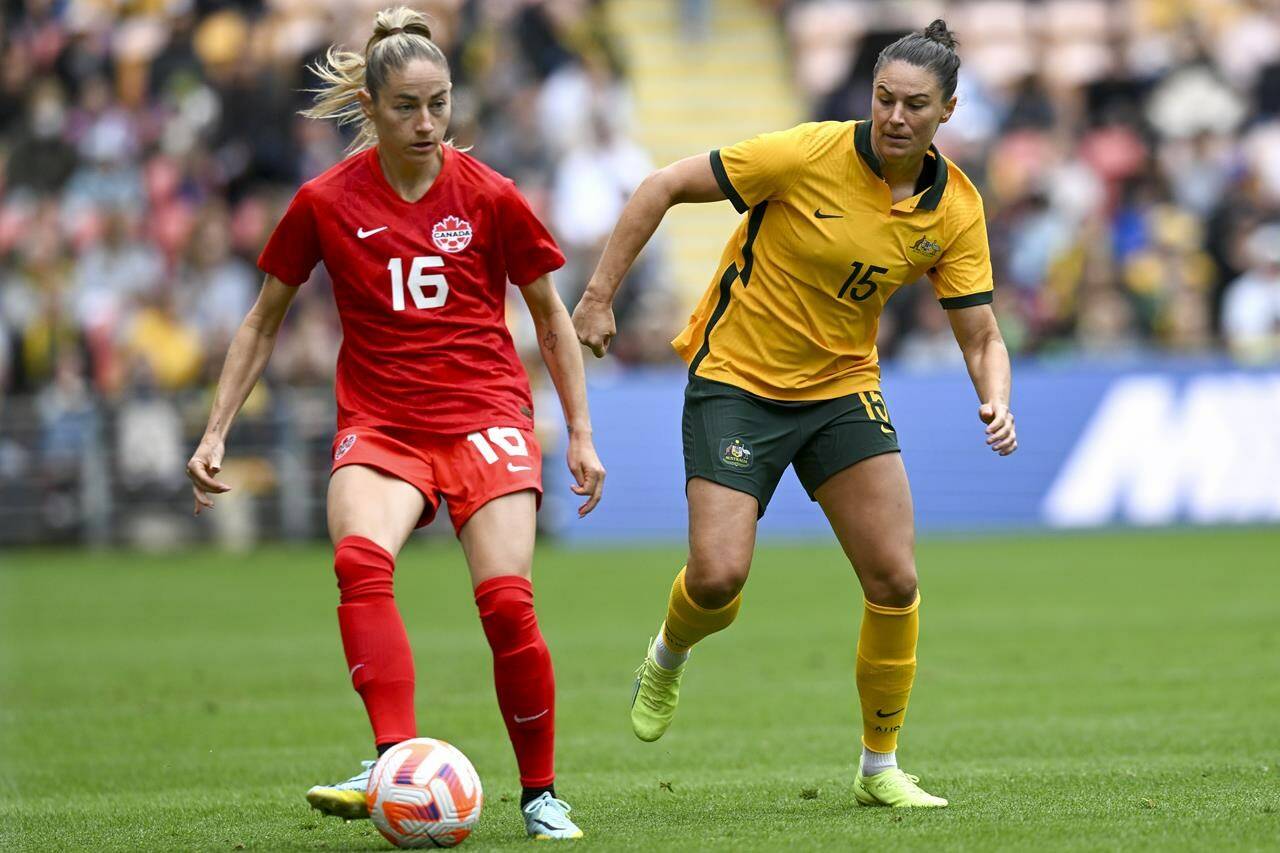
x: 726, y: 185
x: 967, y: 301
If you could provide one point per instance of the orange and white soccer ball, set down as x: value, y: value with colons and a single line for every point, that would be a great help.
x: 424, y: 793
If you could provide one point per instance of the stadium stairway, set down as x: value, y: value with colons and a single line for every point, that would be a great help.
x: 694, y: 94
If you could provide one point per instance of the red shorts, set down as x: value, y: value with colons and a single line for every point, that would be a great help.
x: 467, y: 471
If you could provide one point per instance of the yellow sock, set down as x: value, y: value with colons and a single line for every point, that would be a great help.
x: 885, y: 671
x: 687, y: 623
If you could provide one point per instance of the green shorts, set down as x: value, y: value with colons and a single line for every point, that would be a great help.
x: 745, y: 442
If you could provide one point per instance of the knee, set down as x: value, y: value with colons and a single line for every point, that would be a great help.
x: 506, y: 611
x: 713, y: 586
x: 895, y: 586
x: 364, y: 570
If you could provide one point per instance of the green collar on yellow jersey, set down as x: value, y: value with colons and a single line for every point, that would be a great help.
x: 933, y: 195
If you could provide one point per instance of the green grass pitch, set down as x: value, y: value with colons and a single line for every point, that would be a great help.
x: 1110, y: 691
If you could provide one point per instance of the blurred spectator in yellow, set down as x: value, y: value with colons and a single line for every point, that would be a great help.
x: 36, y: 299
x: 1169, y: 276
x: 161, y: 345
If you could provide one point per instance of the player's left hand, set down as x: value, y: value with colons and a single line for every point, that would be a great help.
x: 1001, y: 436
x: 587, y: 470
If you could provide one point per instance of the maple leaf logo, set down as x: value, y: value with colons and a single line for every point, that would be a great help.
x: 451, y: 234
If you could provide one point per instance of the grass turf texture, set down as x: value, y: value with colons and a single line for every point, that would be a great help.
x: 1111, y: 691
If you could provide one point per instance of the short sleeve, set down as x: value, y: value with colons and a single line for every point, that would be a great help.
x: 962, y: 277
x: 760, y: 168
x: 528, y: 248
x: 294, y: 248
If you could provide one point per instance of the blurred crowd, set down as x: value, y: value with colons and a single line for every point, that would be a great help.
x: 148, y: 148
x: 1128, y: 154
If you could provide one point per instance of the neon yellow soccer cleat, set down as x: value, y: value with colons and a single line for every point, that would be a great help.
x: 653, y: 702
x: 343, y: 799
x: 893, y: 788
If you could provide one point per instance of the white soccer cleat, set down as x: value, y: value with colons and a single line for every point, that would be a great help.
x: 547, y: 819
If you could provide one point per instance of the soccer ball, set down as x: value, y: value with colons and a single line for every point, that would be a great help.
x: 424, y: 793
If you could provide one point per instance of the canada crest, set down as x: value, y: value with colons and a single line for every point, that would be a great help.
x: 451, y: 234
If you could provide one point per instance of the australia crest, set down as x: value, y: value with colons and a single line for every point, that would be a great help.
x: 736, y: 453
x: 926, y: 247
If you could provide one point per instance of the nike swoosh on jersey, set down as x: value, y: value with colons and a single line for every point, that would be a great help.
x: 820, y: 215
x: 361, y: 233
x: 514, y: 468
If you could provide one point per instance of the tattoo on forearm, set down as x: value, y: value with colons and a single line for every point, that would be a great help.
x: 549, y: 340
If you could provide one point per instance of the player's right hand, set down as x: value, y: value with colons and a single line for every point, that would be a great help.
x: 593, y: 321
x: 201, y: 468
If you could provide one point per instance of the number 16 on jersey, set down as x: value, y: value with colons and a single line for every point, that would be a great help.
x: 419, y: 281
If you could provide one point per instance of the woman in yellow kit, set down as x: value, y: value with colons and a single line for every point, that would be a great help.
x: 783, y: 367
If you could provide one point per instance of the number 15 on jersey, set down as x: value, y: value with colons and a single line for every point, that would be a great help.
x: 419, y: 282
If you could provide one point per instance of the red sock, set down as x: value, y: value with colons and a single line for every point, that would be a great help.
x: 522, y: 674
x: 373, y: 636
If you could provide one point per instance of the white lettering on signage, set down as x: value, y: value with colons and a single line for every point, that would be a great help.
x: 1152, y: 455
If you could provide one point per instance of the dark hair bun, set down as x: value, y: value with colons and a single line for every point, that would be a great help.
x: 937, y: 31
x: 934, y: 48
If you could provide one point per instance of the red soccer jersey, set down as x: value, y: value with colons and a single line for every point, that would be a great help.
x: 421, y: 291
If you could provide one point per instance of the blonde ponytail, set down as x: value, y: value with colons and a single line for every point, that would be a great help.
x: 399, y: 35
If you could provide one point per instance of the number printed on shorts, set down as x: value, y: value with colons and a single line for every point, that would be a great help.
x: 508, y: 439
x: 873, y: 402
x: 418, y: 283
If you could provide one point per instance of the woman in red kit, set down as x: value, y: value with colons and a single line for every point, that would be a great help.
x: 420, y: 241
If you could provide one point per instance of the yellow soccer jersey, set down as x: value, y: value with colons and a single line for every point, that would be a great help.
x: 793, y: 310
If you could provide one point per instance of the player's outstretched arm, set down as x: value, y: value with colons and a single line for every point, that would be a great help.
x: 564, y: 363
x: 687, y: 180
x: 246, y: 359
x: 987, y: 358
